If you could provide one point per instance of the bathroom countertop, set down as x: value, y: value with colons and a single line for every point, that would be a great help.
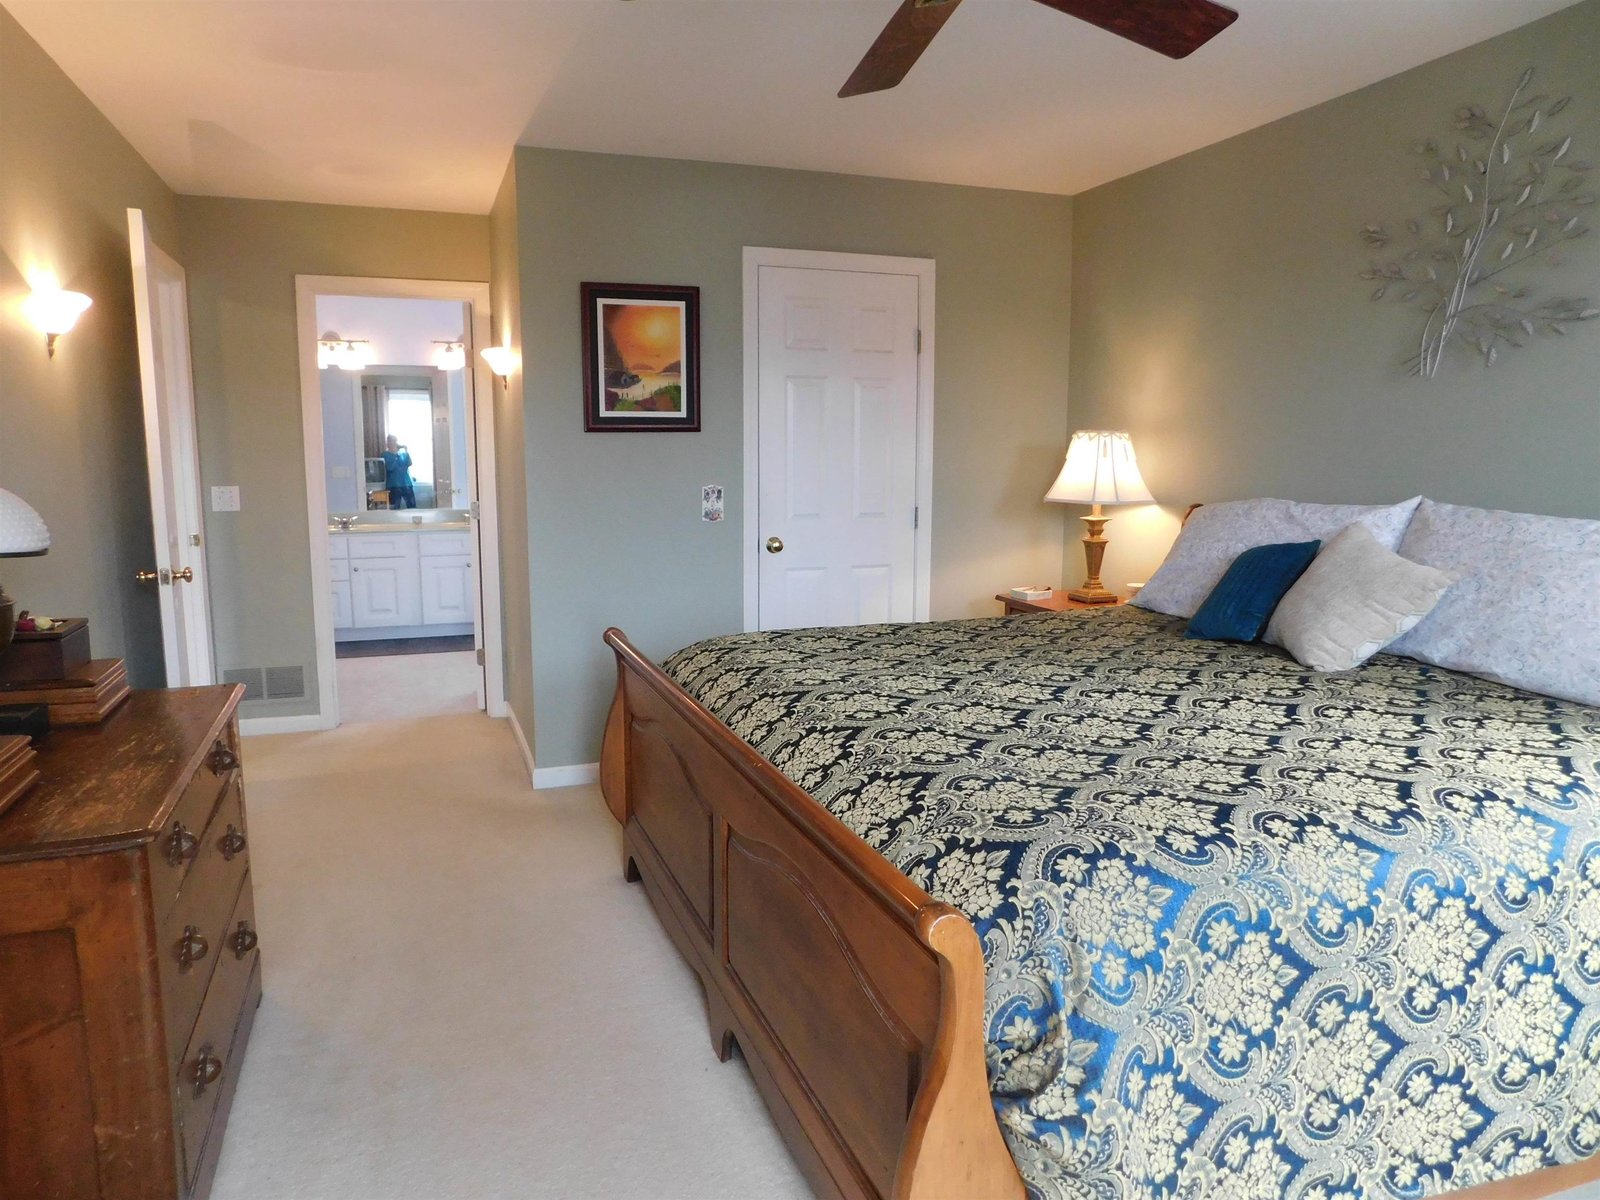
x: 404, y: 527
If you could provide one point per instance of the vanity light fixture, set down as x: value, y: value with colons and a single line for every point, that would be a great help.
x: 450, y: 356
x: 502, y: 360
x: 53, y: 312
x: 344, y: 353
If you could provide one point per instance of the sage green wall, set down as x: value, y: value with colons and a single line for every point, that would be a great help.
x: 242, y: 257
x: 71, y: 429
x: 511, y: 478
x: 615, y: 532
x: 1217, y: 315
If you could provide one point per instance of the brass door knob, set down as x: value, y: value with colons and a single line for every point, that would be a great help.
x: 774, y: 545
x: 187, y: 575
x: 146, y: 576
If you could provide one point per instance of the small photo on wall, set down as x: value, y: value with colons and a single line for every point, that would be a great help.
x: 641, y: 352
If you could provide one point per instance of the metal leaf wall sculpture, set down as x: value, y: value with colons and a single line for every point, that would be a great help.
x: 1514, y: 193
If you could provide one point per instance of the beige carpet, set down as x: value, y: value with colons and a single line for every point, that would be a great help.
x: 399, y: 687
x: 463, y: 998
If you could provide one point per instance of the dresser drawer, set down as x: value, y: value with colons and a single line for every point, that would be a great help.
x: 193, y: 936
x: 173, y: 854
x: 215, y: 1052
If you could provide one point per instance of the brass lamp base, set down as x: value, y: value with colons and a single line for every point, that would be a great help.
x: 1094, y: 553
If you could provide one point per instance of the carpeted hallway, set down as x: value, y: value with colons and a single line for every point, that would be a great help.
x: 463, y: 998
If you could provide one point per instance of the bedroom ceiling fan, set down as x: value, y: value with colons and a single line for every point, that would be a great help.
x: 1175, y: 28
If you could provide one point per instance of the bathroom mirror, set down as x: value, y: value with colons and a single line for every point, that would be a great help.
x: 394, y: 430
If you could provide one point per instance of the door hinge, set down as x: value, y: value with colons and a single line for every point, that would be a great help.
x: 194, y: 539
x: 473, y: 508
x: 916, y: 517
x: 919, y: 341
x: 480, y: 656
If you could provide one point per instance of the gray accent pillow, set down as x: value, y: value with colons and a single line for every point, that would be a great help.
x: 1527, y: 609
x: 1218, y: 533
x: 1353, y: 600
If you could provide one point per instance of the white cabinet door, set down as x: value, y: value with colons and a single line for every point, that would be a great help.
x: 343, y: 614
x: 446, y: 589
x: 385, y: 591
x: 837, y: 437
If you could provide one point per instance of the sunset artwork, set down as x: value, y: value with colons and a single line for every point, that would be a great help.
x: 641, y: 346
x: 643, y: 349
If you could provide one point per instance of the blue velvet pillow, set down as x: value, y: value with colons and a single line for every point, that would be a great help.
x: 1239, y: 607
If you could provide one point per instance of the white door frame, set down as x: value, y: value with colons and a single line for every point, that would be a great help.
x: 481, y: 460
x: 172, y: 454
x: 756, y: 257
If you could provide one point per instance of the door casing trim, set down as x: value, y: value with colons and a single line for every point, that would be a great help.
x: 756, y: 257
x: 481, y: 459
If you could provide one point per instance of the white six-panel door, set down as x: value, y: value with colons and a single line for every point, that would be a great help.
x: 837, y: 413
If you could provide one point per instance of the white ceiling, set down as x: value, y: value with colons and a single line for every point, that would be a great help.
x: 417, y: 103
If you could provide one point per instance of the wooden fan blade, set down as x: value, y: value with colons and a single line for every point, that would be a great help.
x: 1176, y: 28
x: 899, y: 46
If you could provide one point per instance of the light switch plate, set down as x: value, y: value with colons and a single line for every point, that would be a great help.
x: 225, y: 499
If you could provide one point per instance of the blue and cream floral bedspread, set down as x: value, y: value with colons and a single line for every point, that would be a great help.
x: 1250, y: 932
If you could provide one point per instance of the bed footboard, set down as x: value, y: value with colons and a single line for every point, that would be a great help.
x: 855, y: 997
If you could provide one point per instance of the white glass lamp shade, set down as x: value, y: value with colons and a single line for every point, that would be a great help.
x: 450, y: 356
x: 22, y: 530
x: 502, y: 360
x: 1100, y: 469
x: 53, y: 311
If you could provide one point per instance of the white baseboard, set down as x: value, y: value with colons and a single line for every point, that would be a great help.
x: 522, y: 745
x: 573, y: 776
x: 307, y: 723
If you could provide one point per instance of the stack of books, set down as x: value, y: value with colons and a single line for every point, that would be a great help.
x: 85, y: 696
x: 17, y: 772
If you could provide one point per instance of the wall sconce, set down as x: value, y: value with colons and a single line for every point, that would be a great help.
x: 53, y: 312
x: 344, y: 353
x: 502, y: 360
x: 450, y: 356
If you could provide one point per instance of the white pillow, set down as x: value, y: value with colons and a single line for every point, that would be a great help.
x: 1527, y: 609
x: 1353, y: 600
x: 1218, y: 533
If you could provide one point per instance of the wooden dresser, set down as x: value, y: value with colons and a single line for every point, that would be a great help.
x: 129, y: 970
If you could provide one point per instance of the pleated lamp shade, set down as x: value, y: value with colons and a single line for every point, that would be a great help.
x: 1100, y: 469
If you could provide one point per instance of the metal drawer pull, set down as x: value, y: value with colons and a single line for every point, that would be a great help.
x: 221, y: 760
x: 244, y: 939
x: 192, y: 947
x: 231, y: 843
x: 207, y: 1070
x: 181, y: 845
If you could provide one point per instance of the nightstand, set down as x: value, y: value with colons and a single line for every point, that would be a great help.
x: 1057, y: 603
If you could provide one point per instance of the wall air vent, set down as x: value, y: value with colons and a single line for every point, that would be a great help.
x: 254, y: 687
x: 285, y: 683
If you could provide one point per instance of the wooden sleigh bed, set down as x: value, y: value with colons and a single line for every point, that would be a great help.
x: 855, y: 997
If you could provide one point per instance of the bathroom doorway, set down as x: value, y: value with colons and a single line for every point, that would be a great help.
x: 399, y: 480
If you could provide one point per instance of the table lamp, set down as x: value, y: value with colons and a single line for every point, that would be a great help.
x: 1100, y: 469
x: 22, y: 535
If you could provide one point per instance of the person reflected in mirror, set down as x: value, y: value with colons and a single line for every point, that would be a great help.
x: 397, y: 472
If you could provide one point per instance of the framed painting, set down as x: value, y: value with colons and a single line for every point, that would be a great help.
x: 641, y: 356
